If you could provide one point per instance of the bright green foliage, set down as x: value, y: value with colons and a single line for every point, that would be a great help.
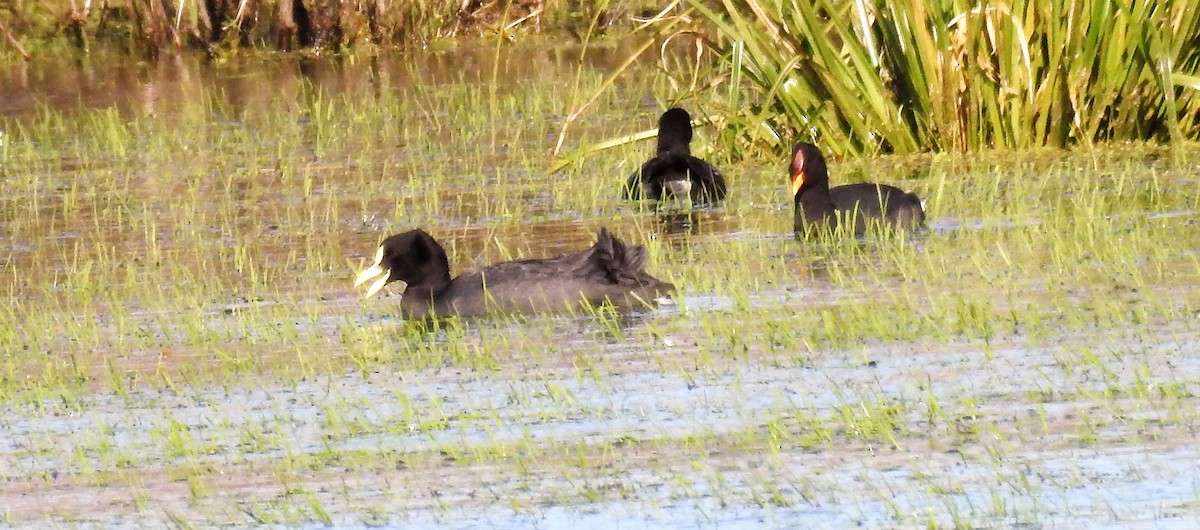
x: 912, y: 75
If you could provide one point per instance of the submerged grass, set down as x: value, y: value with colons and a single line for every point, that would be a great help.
x: 178, y: 322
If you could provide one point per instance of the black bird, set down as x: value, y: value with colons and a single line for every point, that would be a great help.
x: 816, y: 202
x: 674, y: 172
x: 610, y: 270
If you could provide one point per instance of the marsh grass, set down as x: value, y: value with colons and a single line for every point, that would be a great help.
x: 196, y: 288
x: 906, y: 76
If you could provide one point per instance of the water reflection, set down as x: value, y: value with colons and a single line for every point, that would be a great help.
x: 679, y: 225
x: 678, y: 222
x: 173, y: 83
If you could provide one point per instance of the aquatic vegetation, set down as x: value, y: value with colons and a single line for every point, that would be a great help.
x: 180, y: 344
x: 907, y: 75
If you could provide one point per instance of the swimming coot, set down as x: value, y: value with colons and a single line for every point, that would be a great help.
x: 610, y: 271
x: 816, y: 202
x: 674, y: 173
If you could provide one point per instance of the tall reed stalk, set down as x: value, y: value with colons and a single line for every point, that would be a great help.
x: 909, y: 75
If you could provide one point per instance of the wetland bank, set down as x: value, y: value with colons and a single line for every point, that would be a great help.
x: 181, y: 344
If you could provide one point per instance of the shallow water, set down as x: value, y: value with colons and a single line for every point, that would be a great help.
x: 63, y: 82
x: 992, y: 469
x: 181, y: 342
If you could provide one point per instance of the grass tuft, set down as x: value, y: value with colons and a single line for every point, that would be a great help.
x: 904, y: 76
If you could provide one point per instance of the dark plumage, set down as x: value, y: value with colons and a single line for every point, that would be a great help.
x: 816, y: 202
x: 610, y: 270
x: 674, y: 172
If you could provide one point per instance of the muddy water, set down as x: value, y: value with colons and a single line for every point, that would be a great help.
x: 182, y: 344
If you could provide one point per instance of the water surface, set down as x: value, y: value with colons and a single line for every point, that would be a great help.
x: 183, y: 344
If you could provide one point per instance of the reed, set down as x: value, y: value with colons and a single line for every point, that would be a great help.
x: 868, y: 76
x: 151, y: 28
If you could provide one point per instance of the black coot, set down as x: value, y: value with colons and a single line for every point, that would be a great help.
x: 610, y: 270
x: 674, y: 173
x: 816, y: 202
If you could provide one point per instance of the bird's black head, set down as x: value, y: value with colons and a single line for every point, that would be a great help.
x: 412, y: 257
x: 675, y: 131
